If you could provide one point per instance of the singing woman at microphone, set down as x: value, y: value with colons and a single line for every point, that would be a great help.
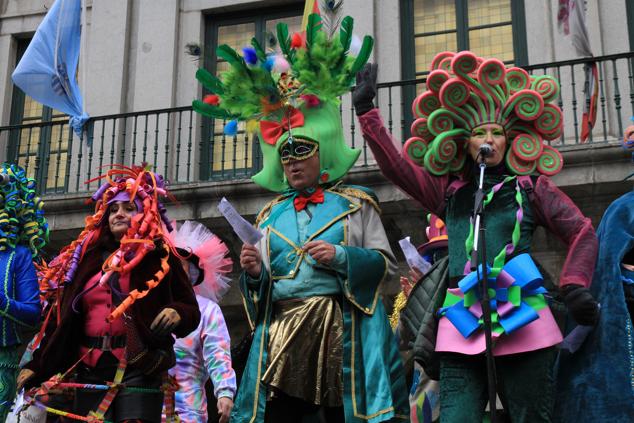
x: 474, y: 110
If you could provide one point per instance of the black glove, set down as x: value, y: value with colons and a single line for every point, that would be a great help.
x: 581, y: 304
x: 364, y: 92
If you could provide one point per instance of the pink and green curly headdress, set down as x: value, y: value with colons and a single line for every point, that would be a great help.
x: 465, y: 91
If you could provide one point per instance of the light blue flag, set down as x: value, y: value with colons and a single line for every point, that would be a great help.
x: 47, y: 70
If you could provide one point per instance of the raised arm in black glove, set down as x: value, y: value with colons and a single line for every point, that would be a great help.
x: 364, y: 92
x: 581, y: 304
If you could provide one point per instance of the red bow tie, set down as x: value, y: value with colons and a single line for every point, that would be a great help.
x: 300, y: 202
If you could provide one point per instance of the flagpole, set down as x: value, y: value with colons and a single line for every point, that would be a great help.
x: 82, y: 55
x: 309, y: 6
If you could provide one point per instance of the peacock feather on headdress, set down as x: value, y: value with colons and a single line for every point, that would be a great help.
x: 291, y: 91
x: 465, y: 91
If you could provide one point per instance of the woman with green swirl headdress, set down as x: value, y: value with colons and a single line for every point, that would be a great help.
x: 470, y: 105
x: 23, y: 234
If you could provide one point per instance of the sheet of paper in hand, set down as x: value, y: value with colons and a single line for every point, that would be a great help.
x: 245, y: 230
x: 412, y: 257
x: 31, y: 414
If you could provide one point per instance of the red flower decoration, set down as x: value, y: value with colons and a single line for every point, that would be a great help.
x: 324, y: 177
x: 310, y: 100
x: 212, y: 99
x: 297, y: 41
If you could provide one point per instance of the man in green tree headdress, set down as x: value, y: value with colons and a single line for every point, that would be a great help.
x: 322, y: 346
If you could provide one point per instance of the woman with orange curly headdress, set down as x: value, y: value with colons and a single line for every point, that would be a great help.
x: 471, y: 102
x: 123, y: 294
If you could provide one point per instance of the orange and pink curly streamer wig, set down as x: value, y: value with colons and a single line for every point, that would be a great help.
x: 148, y: 225
x: 465, y: 91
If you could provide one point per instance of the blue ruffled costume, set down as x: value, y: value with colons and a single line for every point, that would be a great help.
x: 595, y: 384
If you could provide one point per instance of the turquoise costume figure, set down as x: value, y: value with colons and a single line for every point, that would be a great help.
x: 322, y: 345
x: 595, y: 383
x: 23, y: 233
x: 361, y: 263
x: 587, y: 390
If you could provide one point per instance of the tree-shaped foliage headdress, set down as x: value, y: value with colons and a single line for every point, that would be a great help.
x: 290, y: 93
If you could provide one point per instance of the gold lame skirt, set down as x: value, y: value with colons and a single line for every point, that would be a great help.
x: 305, y: 351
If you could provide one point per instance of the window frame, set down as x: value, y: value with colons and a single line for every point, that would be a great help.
x: 18, y: 98
x: 629, y: 10
x: 213, y: 21
x: 408, y: 44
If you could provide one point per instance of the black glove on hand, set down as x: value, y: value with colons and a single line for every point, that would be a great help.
x: 581, y: 304
x: 364, y: 92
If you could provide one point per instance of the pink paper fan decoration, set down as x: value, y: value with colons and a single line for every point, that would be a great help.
x: 212, y: 256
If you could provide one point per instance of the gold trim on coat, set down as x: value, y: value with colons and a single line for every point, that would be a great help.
x: 350, y: 297
x: 353, y: 207
x: 356, y: 193
x: 264, y: 330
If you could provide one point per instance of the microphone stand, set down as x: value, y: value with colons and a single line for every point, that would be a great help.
x: 479, y: 243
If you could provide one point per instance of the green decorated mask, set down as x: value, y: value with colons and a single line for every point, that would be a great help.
x: 297, y: 149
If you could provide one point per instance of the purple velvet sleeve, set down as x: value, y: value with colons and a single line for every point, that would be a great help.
x: 556, y: 211
x: 415, y: 181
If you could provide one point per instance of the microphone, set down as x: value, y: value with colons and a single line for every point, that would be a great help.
x: 4, y: 179
x: 485, y: 151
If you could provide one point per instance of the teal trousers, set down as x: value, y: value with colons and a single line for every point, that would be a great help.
x: 525, y: 384
x: 9, y: 369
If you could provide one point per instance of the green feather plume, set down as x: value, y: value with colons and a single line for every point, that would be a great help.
x: 345, y: 33
x: 259, y: 51
x: 323, y: 68
x: 209, y: 81
x: 312, y: 29
x: 364, y: 54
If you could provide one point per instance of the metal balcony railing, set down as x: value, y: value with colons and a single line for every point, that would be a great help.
x: 187, y: 148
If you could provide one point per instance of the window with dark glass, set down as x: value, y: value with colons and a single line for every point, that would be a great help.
x: 489, y: 28
x: 235, y: 155
x: 42, y: 150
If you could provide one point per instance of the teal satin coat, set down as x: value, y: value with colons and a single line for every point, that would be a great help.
x: 374, y: 383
